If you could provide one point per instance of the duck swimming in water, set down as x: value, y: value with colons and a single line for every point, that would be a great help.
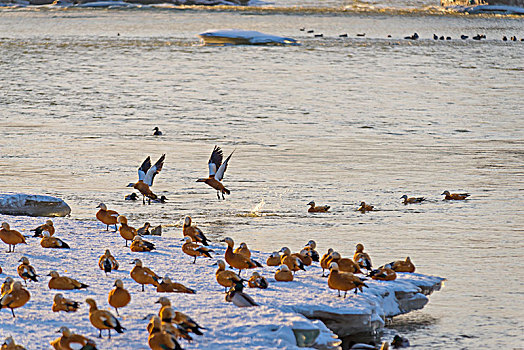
x: 216, y: 172
x: 455, y: 196
x: 320, y: 209
x: 157, y: 131
x: 365, y: 207
x: 411, y: 200
x: 146, y: 175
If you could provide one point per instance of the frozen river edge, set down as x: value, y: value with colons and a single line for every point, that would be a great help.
x: 287, y: 309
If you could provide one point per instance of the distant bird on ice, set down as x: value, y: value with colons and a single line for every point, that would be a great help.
x: 216, y: 171
x: 146, y: 175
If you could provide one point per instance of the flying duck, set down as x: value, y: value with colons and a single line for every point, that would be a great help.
x: 118, y: 296
x: 455, y: 196
x: 194, y: 232
x: 26, y: 271
x: 238, y: 261
x: 167, y: 286
x: 216, y: 171
x: 15, y: 298
x: 195, y: 250
x: 143, y: 275
x: 62, y: 304
x: 320, y: 209
x: 107, y: 262
x: 48, y: 226
x: 344, y: 280
x: 53, y: 242
x: 11, y: 237
x: 146, y: 175
x: 64, y: 283
x: 411, y: 200
x: 108, y: 217
x: 226, y: 278
x: 70, y: 341
x: 236, y: 296
x: 103, y: 319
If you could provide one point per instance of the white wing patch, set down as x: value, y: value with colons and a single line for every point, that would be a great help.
x: 220, y: 172
x: 141, y: 175
x: 212, y: 169
x: 148, y: 179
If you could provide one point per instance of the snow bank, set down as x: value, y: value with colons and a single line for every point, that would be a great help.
x: 243, y: 37
x: 32, y: 205
x: 276, y: 324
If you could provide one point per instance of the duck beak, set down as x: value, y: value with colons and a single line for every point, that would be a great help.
x: 201, y: 180
x: 222, y: 240
x: 49, y: 274
x: 131, y: 185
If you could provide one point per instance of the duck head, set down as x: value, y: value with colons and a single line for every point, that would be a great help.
x: 53, y: 274
x: 285, y: 251
x: 333, y: 266
x: 404, y: 197
x: 24, y: 260
x: 163, y: 301
x: 121, y: 219
x: 229, y: 241
x: 65, y: 331
x: 311, y: 203
x: 312, y: 244
x: 102, y: 206
x: 137, y: 262
x: 360, y: 247
x: 445, y: 193
x: 119, y: 284
x: 187, y: 221
x: 5, y: 226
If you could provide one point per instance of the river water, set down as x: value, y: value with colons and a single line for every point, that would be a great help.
x: 335, y: 120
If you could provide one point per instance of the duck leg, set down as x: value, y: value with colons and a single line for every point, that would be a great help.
x: 143, y: 290
x: 218, y: 195
x: 143, y: 199
x: 194, y: 260
x: 13, y: 248
x: 100, y: 334
x: 223, y: 198
x: 109, y: 333
x: 339, y: 292
x: 116, y: 228
x: 13, y: 312
x: 116, y: 309
x: 107, y: 227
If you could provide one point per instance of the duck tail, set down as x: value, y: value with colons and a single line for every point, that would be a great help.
x: 65, y: 245
x: 118, y: 327
x: 256, y: 263
x: 226, y: 191
x: 82, y: 285
x: 203, y: 238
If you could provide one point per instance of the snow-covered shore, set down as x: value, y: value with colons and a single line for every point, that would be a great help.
x: 268, y: 326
